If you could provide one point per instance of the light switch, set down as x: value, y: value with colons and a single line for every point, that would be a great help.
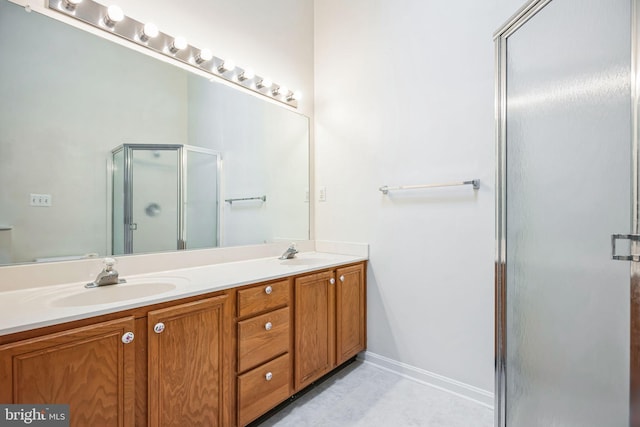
x: 322, y: 194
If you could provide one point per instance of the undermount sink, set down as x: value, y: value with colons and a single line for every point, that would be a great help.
x: 303, y: 261
x: 132, y: 289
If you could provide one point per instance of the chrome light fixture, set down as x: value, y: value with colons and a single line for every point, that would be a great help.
x: 179, y: 43
x: 246, y: 74
x: 113, y: 16
x: 227, y: 65
x: 280, y: 90
x: 70, y: 5
x: 149, y: 31
x: 264, y: 83
x: 203, y: 56
x: 295, y: 96
x: 112, y: 19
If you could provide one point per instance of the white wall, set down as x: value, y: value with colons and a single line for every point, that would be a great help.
x: 405, y: 95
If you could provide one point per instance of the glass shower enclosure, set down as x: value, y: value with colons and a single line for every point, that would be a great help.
x: 164, y: 197
x: 568, y: 299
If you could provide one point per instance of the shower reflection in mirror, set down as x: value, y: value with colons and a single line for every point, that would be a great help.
x: 164, y: 197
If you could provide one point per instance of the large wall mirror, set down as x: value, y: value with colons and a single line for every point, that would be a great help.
x: 105, y: 150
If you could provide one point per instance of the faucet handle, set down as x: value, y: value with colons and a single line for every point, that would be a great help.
x: 109, y: 263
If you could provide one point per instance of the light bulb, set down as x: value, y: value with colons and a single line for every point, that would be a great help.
x: 295, y: 96
x: 149, y: 31
x: 264, y: 83
x: 280, y: 90
x: 247, y: 74
x: 203, y: 56
x: 227, y: 65
x: 178, y: 43
x: 71, y: 4
x: 113, y: 16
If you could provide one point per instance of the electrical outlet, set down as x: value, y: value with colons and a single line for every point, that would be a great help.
x: 40, y: 200
x: 322, y: 194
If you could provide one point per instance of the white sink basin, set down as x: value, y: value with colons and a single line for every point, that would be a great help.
x: 132, y: 289
x: 302, y: 261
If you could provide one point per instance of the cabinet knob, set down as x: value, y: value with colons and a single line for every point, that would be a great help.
x: 268, y: 326
x: 268, y: 290
x: 268, y: 376
x: 127, y: 337
x: 332, y: 281
x: 158, y: 328
x: 342, y: 278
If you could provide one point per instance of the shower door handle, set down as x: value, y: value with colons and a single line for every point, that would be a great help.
x: 631, y: 238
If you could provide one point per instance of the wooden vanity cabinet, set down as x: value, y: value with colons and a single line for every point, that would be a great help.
x: 351, y: 312
x: 91, y: 368
x: 220, y: 359
x: 264, y: 361
x: 188, y: 356
x: 166, y: 364
x: 314, y: 327
x: 330, y: 321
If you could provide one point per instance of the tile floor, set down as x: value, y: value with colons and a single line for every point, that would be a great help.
x: 363, y: 395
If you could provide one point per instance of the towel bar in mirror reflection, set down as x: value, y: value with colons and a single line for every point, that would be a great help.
x: 244, y: 199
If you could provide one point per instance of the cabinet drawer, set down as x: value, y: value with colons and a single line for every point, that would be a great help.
x: 263, y: 297
x: 258, y: 391
x: 262, y: 338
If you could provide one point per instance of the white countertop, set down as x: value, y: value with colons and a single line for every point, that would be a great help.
x: 32, y: 308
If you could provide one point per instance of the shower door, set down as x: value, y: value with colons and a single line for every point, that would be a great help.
x: 155, y: 199
x: 201, y: 189
x: 565, y: 169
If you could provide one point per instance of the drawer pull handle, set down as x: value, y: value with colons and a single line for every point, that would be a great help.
x: 332, y: 281
x: 158, y: 328
x: 268, y: 376
x: 127, y: 337
x: 268, y: 326
x: 342, y: 278
x: 268, y: 290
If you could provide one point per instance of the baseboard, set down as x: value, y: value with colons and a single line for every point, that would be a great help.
x: 466, y: 391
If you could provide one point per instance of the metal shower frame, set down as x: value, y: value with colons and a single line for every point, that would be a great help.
x: 500, y: 38
x: 182, y: 150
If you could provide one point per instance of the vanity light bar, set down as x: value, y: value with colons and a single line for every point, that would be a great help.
x: 147, y: 35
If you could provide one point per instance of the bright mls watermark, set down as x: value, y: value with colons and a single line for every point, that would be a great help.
x: 34, y: 415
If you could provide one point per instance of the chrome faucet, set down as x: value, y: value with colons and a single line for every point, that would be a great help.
x: 108, y: 276
x: 290, y: 253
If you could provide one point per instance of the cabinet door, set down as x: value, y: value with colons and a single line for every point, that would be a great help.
x: 314, y: 327
x: 351, y: 313
x: 89, y: 368
x: 189, y: 364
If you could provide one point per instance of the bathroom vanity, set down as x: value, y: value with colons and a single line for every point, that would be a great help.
x: 222, y: 347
